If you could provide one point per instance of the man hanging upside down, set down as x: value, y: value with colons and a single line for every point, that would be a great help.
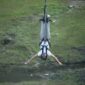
x: 44, y: 52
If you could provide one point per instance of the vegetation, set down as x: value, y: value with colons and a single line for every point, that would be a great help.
x: 19, y: 40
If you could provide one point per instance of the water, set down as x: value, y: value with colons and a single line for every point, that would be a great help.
x: 43, y: 74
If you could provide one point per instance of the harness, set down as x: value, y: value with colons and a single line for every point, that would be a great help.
x: 44, y: 46
x: 44, y: 54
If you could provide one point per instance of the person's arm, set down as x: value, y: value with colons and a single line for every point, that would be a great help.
x: 33, y: 57
x: 56, y: 59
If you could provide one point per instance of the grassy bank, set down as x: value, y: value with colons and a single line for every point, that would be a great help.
x: 19, y: 24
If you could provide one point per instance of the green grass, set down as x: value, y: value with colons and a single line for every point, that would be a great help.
x: 41, y: 83
x: 21, y: 19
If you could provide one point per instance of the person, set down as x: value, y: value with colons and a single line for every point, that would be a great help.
x: 44, y: 46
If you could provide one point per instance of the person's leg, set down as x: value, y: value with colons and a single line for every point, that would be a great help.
x: 33, y: 57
